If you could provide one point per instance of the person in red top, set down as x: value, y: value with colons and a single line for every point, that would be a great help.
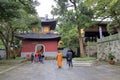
x: 37, y: 57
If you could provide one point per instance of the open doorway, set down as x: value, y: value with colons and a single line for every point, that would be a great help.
x: 39, y: 48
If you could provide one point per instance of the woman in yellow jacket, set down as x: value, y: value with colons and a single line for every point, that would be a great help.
x: 59, y: 59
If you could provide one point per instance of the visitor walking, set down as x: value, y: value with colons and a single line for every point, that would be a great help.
x: 69, y: 56
x: 59, y: 59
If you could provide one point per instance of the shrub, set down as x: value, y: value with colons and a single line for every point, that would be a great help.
x: 111, y: 56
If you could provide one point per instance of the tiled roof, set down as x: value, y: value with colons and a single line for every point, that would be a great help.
x: 49, y: 22
x: 39, y: 36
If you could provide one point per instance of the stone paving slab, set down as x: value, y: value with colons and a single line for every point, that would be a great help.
x: 6, y: 66
x: 50, y: 71
x: 9, y: 67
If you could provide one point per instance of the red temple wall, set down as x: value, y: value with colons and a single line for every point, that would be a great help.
x: 50, y: 46
x: 29, y: 46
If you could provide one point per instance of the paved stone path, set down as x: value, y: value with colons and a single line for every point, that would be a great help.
x: 49, y: 71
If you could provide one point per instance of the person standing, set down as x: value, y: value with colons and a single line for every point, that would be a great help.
x: 42, y: 57
x: 32, y: 57
x: 37, y: 57
x: 59, y: 59
x: 69, y: 56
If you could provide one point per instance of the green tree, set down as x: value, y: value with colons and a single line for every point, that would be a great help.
x: 78, y: 16
x: 69, y: 35
x: 106, y: 9
x: 13, y: 16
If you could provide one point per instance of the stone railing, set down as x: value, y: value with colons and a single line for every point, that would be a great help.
x: 91, y: 43
x: 109, y: 38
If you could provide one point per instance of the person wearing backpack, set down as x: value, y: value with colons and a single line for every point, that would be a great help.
x: 69, y: 57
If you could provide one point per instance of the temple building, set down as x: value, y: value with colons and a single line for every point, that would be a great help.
x: 44, y: 40
x: 93, y: 33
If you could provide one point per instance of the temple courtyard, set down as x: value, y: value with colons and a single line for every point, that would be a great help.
x: 50, y: 71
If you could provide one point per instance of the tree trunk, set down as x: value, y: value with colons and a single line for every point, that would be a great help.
x: 82, y: 54
x: 7, y: 53
x: 7, y: 39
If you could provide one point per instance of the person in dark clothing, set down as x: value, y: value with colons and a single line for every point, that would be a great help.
x: 32, y: 57
x: 73, y: 53
x: 42, y: 58
x: 39, y: 57
x: 69, y: 57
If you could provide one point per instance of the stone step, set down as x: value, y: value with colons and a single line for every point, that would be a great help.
x: 83, y: 63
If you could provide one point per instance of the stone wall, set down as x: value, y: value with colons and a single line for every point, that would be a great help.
x: 107, y: 45
x: 91, y: 49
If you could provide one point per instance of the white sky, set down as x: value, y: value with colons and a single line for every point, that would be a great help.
x: 45, y: 8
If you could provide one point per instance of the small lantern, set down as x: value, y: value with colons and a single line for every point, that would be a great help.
x: 82, y: 32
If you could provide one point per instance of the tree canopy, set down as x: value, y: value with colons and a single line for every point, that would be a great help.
x: 74, y: 15
x: 14, y: 15
x: 106, y: 9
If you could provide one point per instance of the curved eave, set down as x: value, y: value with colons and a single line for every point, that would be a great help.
x: 32, y: 36
x: 49, y: 22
